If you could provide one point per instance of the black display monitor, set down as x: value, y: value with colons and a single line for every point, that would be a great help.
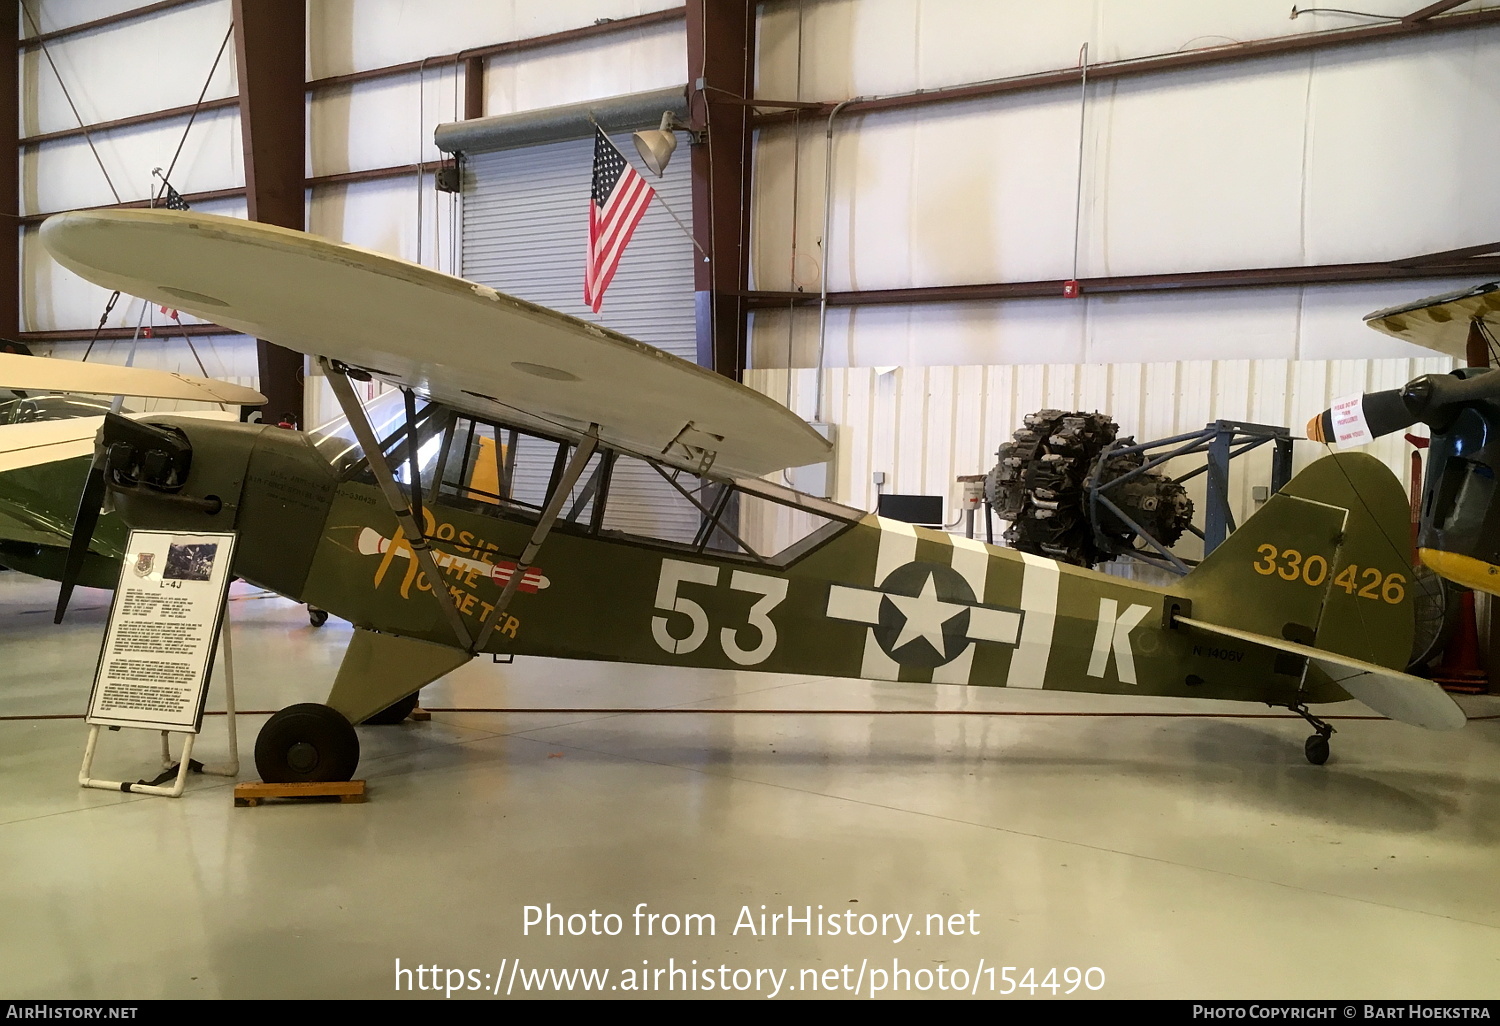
x: 926, y: 510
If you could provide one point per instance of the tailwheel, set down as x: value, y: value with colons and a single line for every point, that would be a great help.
x: 1315, y: 747
x: 396, y: 712
x: 317, y: 617
x: 306, y: 743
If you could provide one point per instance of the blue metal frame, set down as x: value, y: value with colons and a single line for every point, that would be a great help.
x: 1222, y: 440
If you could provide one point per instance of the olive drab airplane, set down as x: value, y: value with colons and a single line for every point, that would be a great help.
x: 556, y: 489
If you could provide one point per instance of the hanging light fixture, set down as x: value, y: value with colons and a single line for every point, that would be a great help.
x: 656, y: 145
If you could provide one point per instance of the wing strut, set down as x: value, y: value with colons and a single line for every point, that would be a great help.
x: 398, y: 503
x: 586, y: 446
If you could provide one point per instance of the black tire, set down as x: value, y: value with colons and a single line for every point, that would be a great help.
x: 396, y: 712
x: 305, y: 743
x: 1316, y: 749
x: 317, y: 617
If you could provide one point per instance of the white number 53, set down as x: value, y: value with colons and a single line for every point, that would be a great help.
x: 675, y: 573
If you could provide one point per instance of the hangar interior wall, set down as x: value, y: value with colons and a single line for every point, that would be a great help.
x: 162, y: 62
x: 1364, y: 153
x: 1292, y: 160
x: 923, y: 426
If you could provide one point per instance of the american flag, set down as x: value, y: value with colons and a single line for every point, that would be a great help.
x: 174, y: 201
x: 619, y: 200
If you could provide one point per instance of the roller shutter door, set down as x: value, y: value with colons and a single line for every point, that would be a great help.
x: 525, y: 233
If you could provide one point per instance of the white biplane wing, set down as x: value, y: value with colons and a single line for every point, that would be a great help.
x: 1442, y: 322
x: 48, y: 441
x: 46, y: 374
x: 453, y: 341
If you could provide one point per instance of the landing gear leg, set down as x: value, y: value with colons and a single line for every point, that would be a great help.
x: 1316, y: 746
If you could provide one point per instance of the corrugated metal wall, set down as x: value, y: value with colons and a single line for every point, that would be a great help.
x: 525, y: 232
x: 925, y: 426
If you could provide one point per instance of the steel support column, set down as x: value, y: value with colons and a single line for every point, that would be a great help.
x: 10, y: 174
x: 270, y: 46
x: 1476, y: 347
x: 473, y: 88
x: 721, y: 74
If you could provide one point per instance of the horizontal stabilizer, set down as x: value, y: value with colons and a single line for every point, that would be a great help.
x: 1391, y: 693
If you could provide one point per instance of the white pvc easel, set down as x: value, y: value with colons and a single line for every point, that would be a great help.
x: 229, y: 769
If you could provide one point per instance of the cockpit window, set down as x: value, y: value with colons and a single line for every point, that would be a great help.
x: 497, y: 470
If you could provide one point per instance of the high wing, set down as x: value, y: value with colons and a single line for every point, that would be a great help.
x: 45, y: 374
x: 1442, y: 322
x: 453, y: 341
x: 1399, y: 696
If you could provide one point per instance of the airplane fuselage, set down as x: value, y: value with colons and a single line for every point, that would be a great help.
x: 879, y: 600
x: 875, y: 599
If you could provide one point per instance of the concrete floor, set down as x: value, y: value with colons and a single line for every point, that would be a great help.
x: 1177, y: 856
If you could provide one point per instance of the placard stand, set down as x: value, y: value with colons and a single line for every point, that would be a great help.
x: 175, y: 791
x: 168, y: 611
x: 228, y: 769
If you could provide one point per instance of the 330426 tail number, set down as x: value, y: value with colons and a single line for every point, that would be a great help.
x: 1364, y: 582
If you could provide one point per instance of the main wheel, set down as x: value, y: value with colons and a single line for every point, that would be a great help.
x: 1316, y: 749
x: 306, y: 742
x: 395, y: 712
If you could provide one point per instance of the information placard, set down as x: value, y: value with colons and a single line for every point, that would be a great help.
x: 1349, y: 425
x: 163, y: 625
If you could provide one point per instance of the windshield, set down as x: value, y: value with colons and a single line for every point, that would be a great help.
x: 335, y: 439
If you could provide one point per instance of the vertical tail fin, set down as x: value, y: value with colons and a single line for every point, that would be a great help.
x: 1324, y: 563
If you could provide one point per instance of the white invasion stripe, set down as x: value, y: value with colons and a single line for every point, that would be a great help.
x: 877, y: 665
x: 972, y: 562
x: 957, y: 670
x: 999, y: 625
x: 1028, y: 664
x: 856, y: 604
x: 898, y: 546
